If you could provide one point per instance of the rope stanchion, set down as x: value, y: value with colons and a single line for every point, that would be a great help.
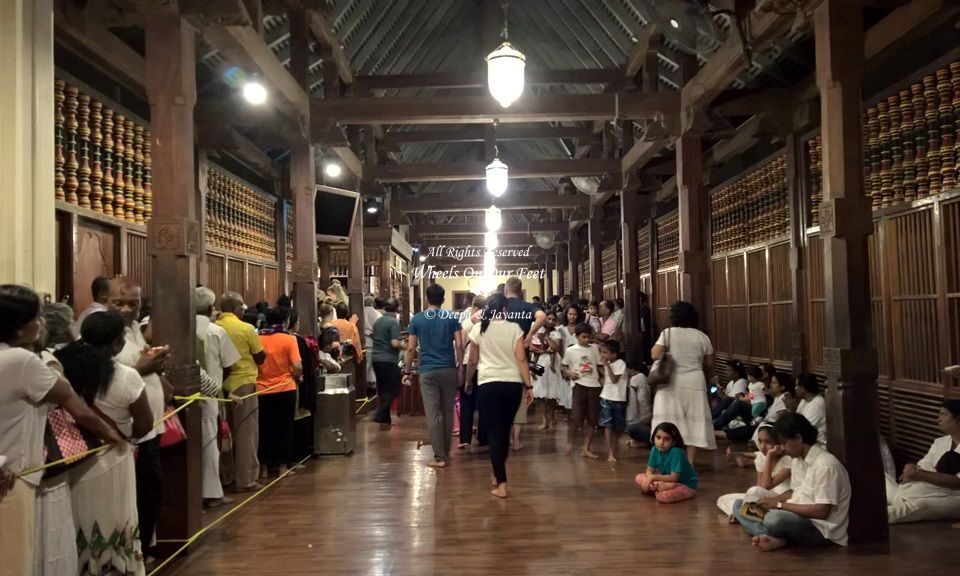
x: 195, y: 537
x: 197, y: 396
x: 365, y: 400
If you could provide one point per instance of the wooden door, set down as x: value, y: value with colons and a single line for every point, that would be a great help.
x: 97, y: 247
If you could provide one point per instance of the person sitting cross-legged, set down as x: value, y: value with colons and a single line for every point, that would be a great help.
x: 816, y: 511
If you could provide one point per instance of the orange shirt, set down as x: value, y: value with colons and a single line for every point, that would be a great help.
x: 348, y: 331
x: 282, y: 351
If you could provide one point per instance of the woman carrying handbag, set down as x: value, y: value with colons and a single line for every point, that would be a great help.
x: 683, y: 355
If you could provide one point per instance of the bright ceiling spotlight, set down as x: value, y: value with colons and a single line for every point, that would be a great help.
x: 333, y: 170
x: 492, y: 219
x: 423, y: 258
x: 490, y: 240
x: 254, y: 92
x: 497, y: 177
x: 372, y: 209
x: 674, y: 23
x: 505, y: 74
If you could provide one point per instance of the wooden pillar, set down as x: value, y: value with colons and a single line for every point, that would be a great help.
x: 798, y: 230
x: 548, y: 268
x: 595, y: 252
x: 631, y: 276
x: 174, y: 241
x: 691, y: 200
x: 201, y: 212
x: 559, y: 258
x: 28, y: 237
x: 850, y: 361
x: 573, y: 262
x: 303, y: 181
x: 386, y: 255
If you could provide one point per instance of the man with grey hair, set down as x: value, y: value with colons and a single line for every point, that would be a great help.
x: 218, y: 356
x: 243, y: 469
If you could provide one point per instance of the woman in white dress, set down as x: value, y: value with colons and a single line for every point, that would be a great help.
x: 104, y: 487
x: 930, y: 489
x: 547, y: 343
x: 684, y: 400
x: 572, y: 316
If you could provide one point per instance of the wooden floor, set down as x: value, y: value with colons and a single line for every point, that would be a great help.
x: 383, y: 512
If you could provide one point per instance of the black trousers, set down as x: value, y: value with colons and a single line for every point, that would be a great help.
x: 149, y: 472
x: 388, y: 388
x: 276, y: 428
x: 468, y: 405
x: 499, y: 402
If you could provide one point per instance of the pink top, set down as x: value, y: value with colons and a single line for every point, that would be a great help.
x: 609, y: 325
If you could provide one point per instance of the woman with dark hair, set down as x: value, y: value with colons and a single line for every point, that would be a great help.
x: 812, y: 404
x: 277, y: 385
x: 104, y: 488
x: 567, y: 322
x: 735, y: 387
x: 684, y: 400
x: 930, y: 489
x: 497, y: 351
x: 29, y: 388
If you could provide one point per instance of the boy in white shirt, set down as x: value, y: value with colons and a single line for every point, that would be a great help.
x: 613, y: 397
x: 581, y: 365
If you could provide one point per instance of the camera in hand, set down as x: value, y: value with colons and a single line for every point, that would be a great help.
x: 535, y: 368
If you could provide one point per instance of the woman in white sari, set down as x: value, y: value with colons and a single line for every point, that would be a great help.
x: 104, y: 487
x: 572, y: 315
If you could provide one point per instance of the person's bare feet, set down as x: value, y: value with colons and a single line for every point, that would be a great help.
x: 743, y: 462
x: 729, y: 452
x: 500, y: 491
x: 543, y: 426
x: 766, y: 543
x: 517, y: 446
x: 732, y: 520
x: 569, y: 450
x: 589, y: 454
x: 611, y: 459
x: 462, y: 446
x: 437, y: 463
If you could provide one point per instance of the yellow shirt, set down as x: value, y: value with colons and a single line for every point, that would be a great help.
x: 247, y: 341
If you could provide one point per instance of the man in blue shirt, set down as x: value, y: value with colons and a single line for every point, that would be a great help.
x: 437, y: 334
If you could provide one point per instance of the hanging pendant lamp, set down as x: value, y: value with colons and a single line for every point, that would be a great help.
x: 492, y: 219
x: 497, y: 177
x: 505, y: 67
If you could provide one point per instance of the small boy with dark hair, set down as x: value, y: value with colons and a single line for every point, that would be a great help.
x: 580, y: 365
x: 613, y: 397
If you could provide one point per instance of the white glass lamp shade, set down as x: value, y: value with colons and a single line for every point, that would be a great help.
x: 497, y: 176
x: 492, y: 219
x: 505, y: 74
x: 490, y: 241
x: 254, y: 92
x: 489, y: 263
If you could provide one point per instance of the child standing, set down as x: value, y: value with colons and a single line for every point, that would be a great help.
x: 581, y: 366
x: 669, y: 475
x: 613, y: 397
x: 593, y: 316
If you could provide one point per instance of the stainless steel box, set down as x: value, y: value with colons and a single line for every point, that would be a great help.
x: 334, y: 426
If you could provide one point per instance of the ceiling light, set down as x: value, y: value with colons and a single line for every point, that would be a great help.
x: 332, y: 170
x: 497, y: 176
x: 372, y: 209
x: 492, y: 219
x: 490, y: 240
x: 505, y: 74
x: 674, y: 23
x: 254, y: 92
x: 423, y: 258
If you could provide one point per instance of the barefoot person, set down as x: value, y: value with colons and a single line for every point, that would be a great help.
x: 497, y: 351
x: 581, y: 364
x: 816, y: 510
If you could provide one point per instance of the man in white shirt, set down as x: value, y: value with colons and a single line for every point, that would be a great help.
x: 220, y: 354
x: 100, y: 290
x: 370, y: 317
x: 817, y: 510
x: 125, y: 299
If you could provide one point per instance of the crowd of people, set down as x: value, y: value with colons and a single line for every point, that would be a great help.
x: 98, y: 380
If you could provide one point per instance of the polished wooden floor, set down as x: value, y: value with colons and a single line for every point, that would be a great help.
x: 382, y: 511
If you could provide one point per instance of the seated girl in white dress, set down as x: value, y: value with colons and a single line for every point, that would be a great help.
x: 773, y: 470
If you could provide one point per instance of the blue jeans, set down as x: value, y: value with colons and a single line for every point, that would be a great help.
x: 781, y: 524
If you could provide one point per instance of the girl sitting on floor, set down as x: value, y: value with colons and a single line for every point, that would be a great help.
x: 669, y: 475
x: 773, y: 468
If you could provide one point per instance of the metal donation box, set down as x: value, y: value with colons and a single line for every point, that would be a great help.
x: 334, y: 427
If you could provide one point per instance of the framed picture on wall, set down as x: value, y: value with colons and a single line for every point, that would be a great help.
x: 462, y: 300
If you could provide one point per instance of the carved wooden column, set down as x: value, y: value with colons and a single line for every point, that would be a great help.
x: 280, y: 227
x: 548, y: 268
x: 631, y: 276
x: 174, y: 242
x: 693, y: 261
x: 559, y: 258
x: 850, y: 360
x: 573, y: 262
x: 798, y: 229
x: 303, y: 180
x: 595, y: 252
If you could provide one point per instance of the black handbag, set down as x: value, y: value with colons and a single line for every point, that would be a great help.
x: 661, y: 373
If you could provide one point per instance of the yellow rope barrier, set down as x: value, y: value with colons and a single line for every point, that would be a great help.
x: 189, y: 400
x: 195, y: 537
x: 366, y: 400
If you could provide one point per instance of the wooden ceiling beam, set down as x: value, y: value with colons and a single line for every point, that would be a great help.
x: 476, y: 134
x: 532, y: 77
x: 483, y: 109
x: 901, y: 22
x: 230, y: 140
x: 101, y: 46
x: 642, y: 152
x: 457, y: 171
x: 505, y: 228
x: 321, y: 28
x: 514, y: 200
x: 650, y: 37
x: 728, y: 62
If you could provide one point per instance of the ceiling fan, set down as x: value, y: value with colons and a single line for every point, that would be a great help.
x: 691, y: 25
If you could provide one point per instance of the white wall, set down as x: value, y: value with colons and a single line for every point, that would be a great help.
x: 458, y: 284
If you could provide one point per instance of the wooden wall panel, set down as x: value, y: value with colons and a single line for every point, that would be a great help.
x: 255, y: 284
x: 759, y: 306
x: 138, y: 261
x: 781, y: 302
x: 721, y: 323
x: 271, y: 284
x: 914, y: 421
x: 950, y: 218
x: 737, y: 299
x: 216, y: 274
x: 668, y: 292
x: 913, y: 296
x: 877, y: 306
x: 236, y: 277
x: 816, y: 303
x: 96, y: 255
